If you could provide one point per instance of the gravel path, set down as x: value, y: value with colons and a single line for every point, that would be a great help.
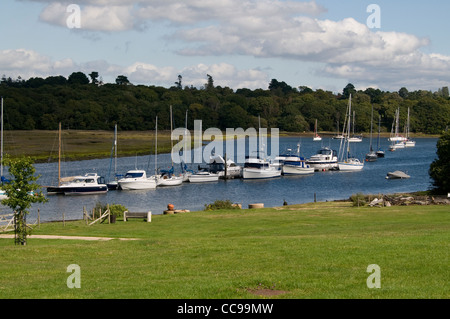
x: 69, y: 237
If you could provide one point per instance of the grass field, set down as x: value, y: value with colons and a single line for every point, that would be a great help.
x: 319, y: 250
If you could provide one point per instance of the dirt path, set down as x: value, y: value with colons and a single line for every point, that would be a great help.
x: 69, y: 237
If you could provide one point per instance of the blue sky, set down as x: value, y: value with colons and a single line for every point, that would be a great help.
x: 240, y: 43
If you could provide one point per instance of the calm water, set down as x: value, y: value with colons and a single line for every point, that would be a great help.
x: 294, y: 189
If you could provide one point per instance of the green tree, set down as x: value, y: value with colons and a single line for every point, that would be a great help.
x: 21, y: 191
x: 78, y: 78
x: 122, y: 80
x: 94, y: 77
x: 440, y: 168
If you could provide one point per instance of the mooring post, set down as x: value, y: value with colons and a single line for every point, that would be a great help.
x: 314, y: 197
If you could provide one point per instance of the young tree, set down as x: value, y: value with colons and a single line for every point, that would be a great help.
x: 440, y: 168
x: 21, y: 191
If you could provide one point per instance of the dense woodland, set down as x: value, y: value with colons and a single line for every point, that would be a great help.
x: 82, y: 102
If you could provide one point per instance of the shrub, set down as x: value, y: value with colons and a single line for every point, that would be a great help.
x: 221, y: 204
x: 358, y: 199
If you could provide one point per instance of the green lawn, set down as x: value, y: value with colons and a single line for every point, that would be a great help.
x: 317, y: 250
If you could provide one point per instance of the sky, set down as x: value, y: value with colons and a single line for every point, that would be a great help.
x: 322, y: 44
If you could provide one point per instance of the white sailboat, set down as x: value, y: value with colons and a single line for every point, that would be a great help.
x: 347, y: 162
x: 395, y: 135
x: 316, y: 137
x: 408, y: 142
x: 167, y: 177
x: 113, y: 184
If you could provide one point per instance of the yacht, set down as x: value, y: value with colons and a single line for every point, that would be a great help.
x: 325, y: 159
x: 137, y: 180
x: 294, y: 164
x: 167, y: 178
x: 258, y: 168
x: 347, y: 162
x: 88, y: 184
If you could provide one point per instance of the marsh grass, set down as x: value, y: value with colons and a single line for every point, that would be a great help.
x: 319, y: 250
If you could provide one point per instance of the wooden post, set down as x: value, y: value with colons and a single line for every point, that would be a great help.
x: 109, y: 215
x: 64, y: 220
x: 39, y: 219
x: 314, y: 197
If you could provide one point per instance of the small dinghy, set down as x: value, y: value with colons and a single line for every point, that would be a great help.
x: 397, y: 175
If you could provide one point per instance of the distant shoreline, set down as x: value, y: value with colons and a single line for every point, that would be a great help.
x: 97, y: 144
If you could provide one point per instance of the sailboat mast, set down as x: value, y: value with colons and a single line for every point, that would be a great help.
x: 171, y: 128
x: 156, y: 147
x: 371, y: 130
x: 115, y: 151
x: 1, y: 164
x: 59, y: 156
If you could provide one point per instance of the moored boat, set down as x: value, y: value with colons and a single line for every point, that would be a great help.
x: 137, y: 180
x: 325, y: 159
x: 88, y: 184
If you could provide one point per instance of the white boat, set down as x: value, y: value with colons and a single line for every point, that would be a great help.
x: 325, y: 159
x: 408, y: 142
x: 294, y: 164
x: 137, y: 180
x: 395, y: 136
x: 169, y: 180
x: 258, y: 168
x: 203, y: 177
x: 355, y: 139
x: 347, y: 162
x: 217, y: 165
x: 395, y: 146
x: 316, y: 137
x: 397, y: 175
x: 166, y: 177
x: 88, y: 184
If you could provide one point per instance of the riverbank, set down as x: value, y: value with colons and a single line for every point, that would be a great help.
x: 84, y: 145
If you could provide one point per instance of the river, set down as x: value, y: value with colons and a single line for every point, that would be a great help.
x: 326, y: 186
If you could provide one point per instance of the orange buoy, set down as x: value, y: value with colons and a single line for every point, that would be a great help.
x: 170, y: 207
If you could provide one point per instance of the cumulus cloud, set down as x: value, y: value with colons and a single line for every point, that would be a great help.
x: 282, y: 29
x: 28, y: 63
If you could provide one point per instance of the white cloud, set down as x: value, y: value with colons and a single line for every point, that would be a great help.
x: 28, y: 63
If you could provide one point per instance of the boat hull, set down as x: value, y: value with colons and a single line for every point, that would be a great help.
x: 351, y: 166
x: 138, y: 184
x: 297, y: 170
x: 173, y: 181
x: 77, y: 190
x: 251, y: 173
x: 200, y: 178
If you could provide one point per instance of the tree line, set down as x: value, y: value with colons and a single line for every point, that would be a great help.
x: 85, y: 102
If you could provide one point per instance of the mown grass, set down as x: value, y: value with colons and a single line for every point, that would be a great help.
x: 319, y: 250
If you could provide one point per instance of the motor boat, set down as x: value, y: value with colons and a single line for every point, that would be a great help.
x: 137, y: 180
x: 90, y: 183
x: 325, y: 159
x: 296, y: 165
x: 256, y: 167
